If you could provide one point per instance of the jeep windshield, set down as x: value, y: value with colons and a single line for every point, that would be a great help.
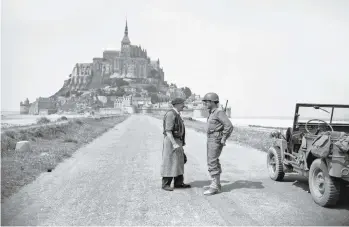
x: 335, y: 115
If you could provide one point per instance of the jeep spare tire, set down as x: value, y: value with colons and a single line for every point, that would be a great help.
x: 274, y: 164
x: 324, y: 189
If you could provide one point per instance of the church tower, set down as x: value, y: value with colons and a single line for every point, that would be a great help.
x: 125, y: 44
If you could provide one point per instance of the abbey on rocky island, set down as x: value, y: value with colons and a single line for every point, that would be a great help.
x: 121, y: 81
x: 130, y: 63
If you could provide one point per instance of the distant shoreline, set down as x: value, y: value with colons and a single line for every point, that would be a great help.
x: 23, y: 121
x: 14, y: 119
x: 3, y: 112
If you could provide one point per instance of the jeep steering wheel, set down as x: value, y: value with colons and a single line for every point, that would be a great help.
x: 306, y: 125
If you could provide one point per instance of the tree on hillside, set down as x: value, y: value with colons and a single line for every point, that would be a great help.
x: 120, y: 92
x: 119, y: 82
x: 165, y: 84
x: 99, y: 91
x: 151, y: 89
x: 96, y: 105
x: 187, y: 92
x: 154, y: 98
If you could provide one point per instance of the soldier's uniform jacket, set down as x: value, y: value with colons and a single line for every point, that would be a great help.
x: 218, y: 125
x: 173, y: 161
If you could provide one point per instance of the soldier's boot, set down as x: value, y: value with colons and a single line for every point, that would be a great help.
x: 216, y: 179
x: 208, y: 186
x: 215, y: 186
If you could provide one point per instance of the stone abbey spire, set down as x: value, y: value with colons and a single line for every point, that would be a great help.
x: 126, y: 40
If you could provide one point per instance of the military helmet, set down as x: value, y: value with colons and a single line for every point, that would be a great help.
x: 211, y: 96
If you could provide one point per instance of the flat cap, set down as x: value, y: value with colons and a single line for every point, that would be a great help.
x: 177, y: 101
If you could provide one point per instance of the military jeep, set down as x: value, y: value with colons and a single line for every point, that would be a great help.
x: 315, y: 147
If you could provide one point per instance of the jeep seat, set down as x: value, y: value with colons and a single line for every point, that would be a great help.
x: 335, y: 135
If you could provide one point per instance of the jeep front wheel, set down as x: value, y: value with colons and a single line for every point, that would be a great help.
x: 323, y: 188
x: 274, y: 164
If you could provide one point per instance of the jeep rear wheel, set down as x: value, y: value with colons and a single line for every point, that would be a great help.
x: 324, y: 189
x: 274, y: 164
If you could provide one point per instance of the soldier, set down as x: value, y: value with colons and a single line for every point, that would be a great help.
x: 173, y: 157
x: 219, y: 128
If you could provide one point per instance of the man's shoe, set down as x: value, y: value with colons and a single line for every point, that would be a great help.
x: 183, y: 186
x: 167, y: 188
x: 211, y: 191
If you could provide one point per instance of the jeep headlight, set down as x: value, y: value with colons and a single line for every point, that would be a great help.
x: 275, y: 134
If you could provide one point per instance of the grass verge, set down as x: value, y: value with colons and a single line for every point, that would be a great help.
x: 257, y: 138
x: 50, y: 145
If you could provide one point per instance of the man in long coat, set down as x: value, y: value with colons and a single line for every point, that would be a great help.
x: 173, y: 157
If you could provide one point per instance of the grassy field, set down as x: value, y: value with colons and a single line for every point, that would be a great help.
x: 50, y: 145
x: 246, y: 136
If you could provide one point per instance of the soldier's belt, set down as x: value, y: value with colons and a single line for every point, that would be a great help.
x: 215, y: 134
x: 213, y: 131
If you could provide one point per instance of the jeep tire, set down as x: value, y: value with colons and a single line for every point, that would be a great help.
x: 324, y: 189
x: 274, y: 164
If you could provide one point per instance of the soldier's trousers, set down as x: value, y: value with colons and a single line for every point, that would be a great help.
x: 177, y: 180
x: 214, y: 150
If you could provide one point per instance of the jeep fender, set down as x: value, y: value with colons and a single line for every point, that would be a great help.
x: 309, y: 157
x: 337, y: 167
x: 338, y: 164
x: 282, y: 145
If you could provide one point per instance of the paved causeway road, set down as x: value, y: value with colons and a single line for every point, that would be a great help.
x: 115, y: 181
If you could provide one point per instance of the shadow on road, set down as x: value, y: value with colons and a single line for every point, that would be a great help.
x: 242, y: 184
x: 229, y: 187
x: 302, y: 182
x: 202, y: 183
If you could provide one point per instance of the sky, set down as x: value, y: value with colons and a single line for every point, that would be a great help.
x: 263, y: 56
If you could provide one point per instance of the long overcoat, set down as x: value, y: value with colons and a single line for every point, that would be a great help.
x: 172, y: 161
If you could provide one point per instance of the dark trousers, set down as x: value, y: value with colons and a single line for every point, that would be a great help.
x: 177, y: 180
